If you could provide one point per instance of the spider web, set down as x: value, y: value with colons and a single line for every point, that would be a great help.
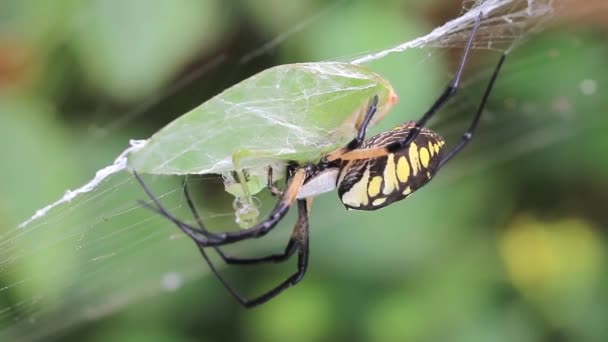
x: 87, y: 255
x: 509, y: 21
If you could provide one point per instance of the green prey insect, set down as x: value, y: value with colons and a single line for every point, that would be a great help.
x: 368, y: 174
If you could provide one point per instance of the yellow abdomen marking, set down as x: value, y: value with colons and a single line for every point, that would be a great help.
x: 390, y: 176
x: 357, y: 195
x: 425, y: 157
x: 379, y: 201
x: 431, y: 148
x: 373, y: 181
x: 414, y: 159
x: 403, y: 169
x: 374, y: 186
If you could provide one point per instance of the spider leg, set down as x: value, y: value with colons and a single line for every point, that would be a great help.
x: 371, y: 110
x: 276, y: 192
x: 271, y: 258
x: 468, y: 135
x: 449, y: 91
x: 347, y: 153
x: 276, y: 215
x: 358, y: 140
x: 192, y: 232
x: 299, y: 241
x: 161, y: 211
x: 464, y: 140
x: 259, y: 230
x: 289, y: 250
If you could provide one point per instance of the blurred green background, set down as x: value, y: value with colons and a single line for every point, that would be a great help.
x: 508, y: 243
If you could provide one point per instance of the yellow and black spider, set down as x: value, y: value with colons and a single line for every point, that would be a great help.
x: 369, y: 174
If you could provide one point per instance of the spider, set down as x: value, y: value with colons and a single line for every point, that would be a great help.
x: 369, y: 175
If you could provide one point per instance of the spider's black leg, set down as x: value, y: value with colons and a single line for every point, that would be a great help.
x: 276, y: 192
x: 371, y: 110
x: 300, y: 241
x: 271, y: 258
x: 289, y: 250
x: 293, y: 245
x: 358, y: 140
x: 468, y: 135
x: 276, y: 215
x: 259, y: 230
x: 449, y: 91
x: 192, y: 232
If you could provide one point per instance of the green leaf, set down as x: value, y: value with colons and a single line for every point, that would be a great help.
x: 293, y: 112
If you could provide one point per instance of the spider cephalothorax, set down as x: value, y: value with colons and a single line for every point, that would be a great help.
x: 369, y: 174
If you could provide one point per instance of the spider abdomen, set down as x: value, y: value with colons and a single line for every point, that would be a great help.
x: 370, y: 184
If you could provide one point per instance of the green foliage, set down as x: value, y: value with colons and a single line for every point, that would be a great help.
x: 119, y: 42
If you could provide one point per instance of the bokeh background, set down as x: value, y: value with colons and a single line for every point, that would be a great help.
x: 508, y: 243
